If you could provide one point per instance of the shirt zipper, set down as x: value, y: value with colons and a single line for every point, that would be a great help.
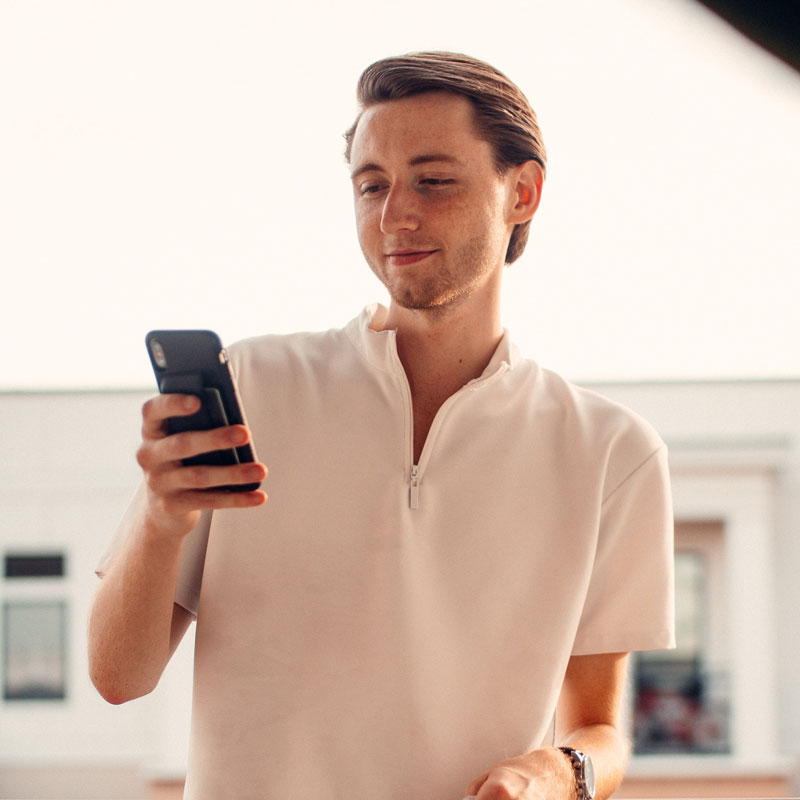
x: 413, y: 489
x: 415, y: 474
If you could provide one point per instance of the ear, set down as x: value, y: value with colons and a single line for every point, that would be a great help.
x: 527, y: 182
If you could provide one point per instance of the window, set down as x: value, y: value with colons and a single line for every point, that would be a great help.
x: 34, y: 650
x: 682, y: 696
x: 33, y: 626
x: 49, y: 565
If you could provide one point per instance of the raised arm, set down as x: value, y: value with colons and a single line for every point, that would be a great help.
x: 135, y: 625
x: 587, y: 720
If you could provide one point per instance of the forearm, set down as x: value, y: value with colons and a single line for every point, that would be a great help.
x: 131, y: 618
x: 609, y: 750
x: 548, y: 773
x: 588, y: 717
x: 134, y: 624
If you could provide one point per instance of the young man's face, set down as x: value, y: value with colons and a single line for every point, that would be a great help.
x: 431, y: 210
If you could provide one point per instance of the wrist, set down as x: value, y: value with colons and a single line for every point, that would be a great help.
x: 581, y: 772
x: 156, y: 537
x: 159, y: 526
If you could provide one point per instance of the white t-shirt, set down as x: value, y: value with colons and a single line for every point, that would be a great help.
x: 381, y: 630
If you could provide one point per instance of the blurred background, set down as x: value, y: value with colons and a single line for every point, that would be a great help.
x: 176, y: 164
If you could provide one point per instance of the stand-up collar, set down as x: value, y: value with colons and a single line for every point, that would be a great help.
x: 380, y: 347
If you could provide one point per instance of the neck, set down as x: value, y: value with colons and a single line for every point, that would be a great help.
x: 441, y: 350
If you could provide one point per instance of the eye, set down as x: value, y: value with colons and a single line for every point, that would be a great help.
x: 370, y: 188
x: 437, y: 181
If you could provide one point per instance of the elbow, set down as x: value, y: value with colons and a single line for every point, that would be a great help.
x: 114, y: 688
x: 111, y: 696
x: 115, y: 674
x: 116, y: 693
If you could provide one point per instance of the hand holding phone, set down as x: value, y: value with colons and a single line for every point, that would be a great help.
x: 194, y: 362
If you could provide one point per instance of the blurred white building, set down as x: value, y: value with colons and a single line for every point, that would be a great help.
x: 720, y: 716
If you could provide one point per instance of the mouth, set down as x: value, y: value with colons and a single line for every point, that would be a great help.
x: 401, y: 258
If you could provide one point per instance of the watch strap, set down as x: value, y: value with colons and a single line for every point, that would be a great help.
x: 577, y: 760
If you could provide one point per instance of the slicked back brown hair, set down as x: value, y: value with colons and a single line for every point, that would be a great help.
x: 503, y: 115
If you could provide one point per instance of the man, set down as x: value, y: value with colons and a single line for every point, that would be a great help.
x: 457, y: 542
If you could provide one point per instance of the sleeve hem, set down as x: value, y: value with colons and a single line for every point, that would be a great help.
x: 636, y: 641
x: 188, y: 599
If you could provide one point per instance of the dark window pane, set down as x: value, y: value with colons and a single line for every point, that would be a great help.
x: 680, y: 704
x: 34, y: 659
x: 680, y: 708
x: 47, y: 565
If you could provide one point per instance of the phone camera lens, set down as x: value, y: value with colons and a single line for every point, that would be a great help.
x: 158, y: 354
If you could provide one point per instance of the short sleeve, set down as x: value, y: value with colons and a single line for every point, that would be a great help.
x: 193, y: 559
x: 122, y: 532
x: 630, y: 603
x: 190, y: 575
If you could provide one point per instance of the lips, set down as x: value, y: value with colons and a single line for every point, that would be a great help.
x: 401, y: 258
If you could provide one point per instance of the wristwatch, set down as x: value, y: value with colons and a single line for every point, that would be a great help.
x: 584, y: 772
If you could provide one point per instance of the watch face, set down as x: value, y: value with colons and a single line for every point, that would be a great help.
x: 588, y: 777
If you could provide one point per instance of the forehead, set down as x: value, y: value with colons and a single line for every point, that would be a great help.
x: 412, y: 126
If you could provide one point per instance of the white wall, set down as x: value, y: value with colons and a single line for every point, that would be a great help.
x: 67, y: 472
x: 735, y: 451
x: 68, y: 469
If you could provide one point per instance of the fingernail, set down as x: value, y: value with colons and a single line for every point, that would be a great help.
x: 238, y: 436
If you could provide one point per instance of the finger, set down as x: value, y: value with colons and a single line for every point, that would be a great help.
x: 177, y: 505
x: 157, y: 409
x: 474, y: 787
x: 178, y: 446
x: 503, y: 783
x: 206, y: 500
x: 202, y: 477
x: 157, y: 456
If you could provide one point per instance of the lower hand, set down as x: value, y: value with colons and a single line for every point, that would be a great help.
x: 542, y: 774
x: 176, y: 493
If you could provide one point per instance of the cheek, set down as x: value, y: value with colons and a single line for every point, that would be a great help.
x: 361, y: 222
x: 367, y: 216
x: 367, y: 228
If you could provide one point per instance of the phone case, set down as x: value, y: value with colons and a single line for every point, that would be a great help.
x: 195, y: 362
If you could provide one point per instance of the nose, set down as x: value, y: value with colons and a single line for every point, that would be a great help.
x: 400, y: 211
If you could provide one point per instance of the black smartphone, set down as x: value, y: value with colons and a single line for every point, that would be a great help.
x: 195, y: 362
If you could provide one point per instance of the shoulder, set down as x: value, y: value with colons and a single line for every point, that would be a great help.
x: 592, y: 426
x: 579, y: 410
x: 598, y: 413
x: 288, y: 353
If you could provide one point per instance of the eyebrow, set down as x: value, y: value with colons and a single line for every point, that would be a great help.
x: 427, y: 158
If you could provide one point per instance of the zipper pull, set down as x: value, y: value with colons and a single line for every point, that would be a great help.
x: 413, y: 490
